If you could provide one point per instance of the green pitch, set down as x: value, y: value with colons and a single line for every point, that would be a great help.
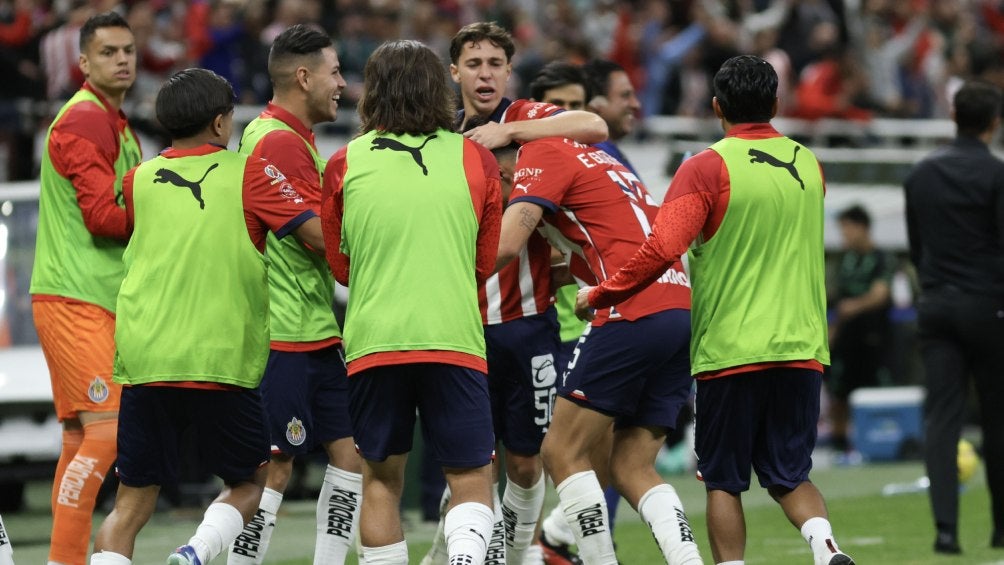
x: 874, y: 529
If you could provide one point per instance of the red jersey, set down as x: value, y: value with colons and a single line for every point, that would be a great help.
x: 523, y: 287
x: 600, y: 214
x: 288, y: 151
x: 83, y: 148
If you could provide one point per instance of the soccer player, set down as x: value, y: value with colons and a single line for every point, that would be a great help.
x: 753, y: 203
x: 515, y: 301
x: 521, y: 327
x: 411, y: 217
x: 82, y: 233
x: 305, y: 388
x: 192, y: 334
x: 481, y: 63
x: 631, y: 367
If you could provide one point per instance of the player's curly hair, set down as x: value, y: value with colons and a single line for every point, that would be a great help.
x: 406, y: 90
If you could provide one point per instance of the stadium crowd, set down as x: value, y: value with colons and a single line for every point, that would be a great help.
x: 835, y: 58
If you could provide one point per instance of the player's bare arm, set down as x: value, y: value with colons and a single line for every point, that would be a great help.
x: 309, y: 232
x: 582, y: 126
x: 518, y: 222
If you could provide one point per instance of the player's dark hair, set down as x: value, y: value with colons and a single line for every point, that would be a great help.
x: 296, y: 43
x: 478, y: 32
x: 405, y: 90
x: 98, y: 21
x: 856, y: 214
x: 976, y: 106
x: 555, y: 75
x: 746, y: 89
x: 499, y: 152
x: 191, y: 99
x: 598, y: 73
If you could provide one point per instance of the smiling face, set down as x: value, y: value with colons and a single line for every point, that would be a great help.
x: 619, y: 106
x: 324, y: 87
x: 482, y: 71
x: 109, y: 61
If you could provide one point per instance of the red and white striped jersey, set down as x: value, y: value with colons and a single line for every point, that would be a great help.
x: 523, y: 287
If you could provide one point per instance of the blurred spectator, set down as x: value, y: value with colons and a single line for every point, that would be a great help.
x: 60, y: 51
x: 832, y: 88
x: 859, y: 327
x: 23, y: 80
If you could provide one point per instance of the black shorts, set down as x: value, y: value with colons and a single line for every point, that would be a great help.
x: 453, y: 403
x: 306, y: 395
x: 764, y: 420
x: 524, y: 358
x: 636, y: 371
x: 229, y: 426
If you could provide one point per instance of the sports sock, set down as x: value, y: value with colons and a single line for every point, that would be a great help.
x: 662, y: 510
x: 251, y: 544
x: 71, y: 443
x: 6, y: 551
x: 521, y: 510
x: 437, y: 554
x: 818, y: 532
x: 78, y: 488
x: 555, y: 528
x: 393, y: 554
x: 337, y: 515
x: 468, y: 528
x: 534, y: 555
x: 109, y: 558
x: 586, y: 512
x: 221, y: 524
x: 732, y: 563
x: 496, y: 545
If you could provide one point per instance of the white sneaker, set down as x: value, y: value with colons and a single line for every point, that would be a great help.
x: 534, y: 555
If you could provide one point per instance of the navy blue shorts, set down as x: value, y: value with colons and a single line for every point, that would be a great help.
x: 524, y: 359
x: 306, y: 395
x: 638, y: 372
x: 762, y: 419
x: 228, y: 427
x: 454, y: 406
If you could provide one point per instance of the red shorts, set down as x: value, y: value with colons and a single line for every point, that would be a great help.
x: 78, y: 341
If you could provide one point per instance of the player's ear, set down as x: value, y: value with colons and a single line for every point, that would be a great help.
x: 302, y: 76
x: 718, y: 108
x: 454, y: 73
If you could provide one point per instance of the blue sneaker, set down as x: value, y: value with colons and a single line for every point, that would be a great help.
x: 184, y: 555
